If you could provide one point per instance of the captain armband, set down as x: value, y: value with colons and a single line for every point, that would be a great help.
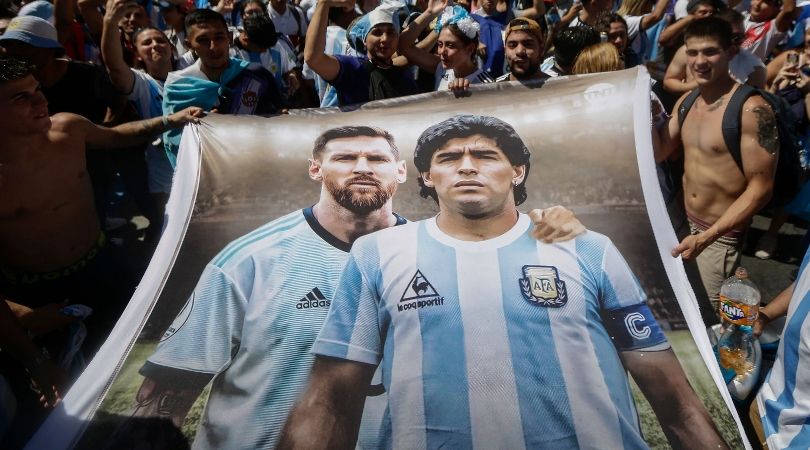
x: 633, y: 328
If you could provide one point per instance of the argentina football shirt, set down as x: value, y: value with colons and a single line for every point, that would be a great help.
x: 504, y: 343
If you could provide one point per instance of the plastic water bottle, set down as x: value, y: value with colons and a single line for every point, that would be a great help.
x: 739, y: 306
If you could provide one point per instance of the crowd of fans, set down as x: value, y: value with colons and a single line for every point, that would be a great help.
x: 118, y: 61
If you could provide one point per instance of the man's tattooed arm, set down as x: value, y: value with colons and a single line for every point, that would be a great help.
x: 135, y: 133
x: 767, y: 131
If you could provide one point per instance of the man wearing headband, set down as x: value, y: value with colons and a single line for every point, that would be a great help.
x: 486, y: 337
x: 374, y: 76
x: 524, y: 43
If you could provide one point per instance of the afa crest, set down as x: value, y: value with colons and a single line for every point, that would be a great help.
x: 542, y: 286
x: 250, y: 98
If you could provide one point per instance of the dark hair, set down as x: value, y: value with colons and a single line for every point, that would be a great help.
x: 243, y: 6
x: 463, y: 126
x: 453, y: 28
x: 260, y: 30
x: 335, y: 13
x: 710, y: 27
x: 568, y: 42
x: 603, y: 24
x: 350, y: 132
x: 730, y: 15
x: 141, y: 30
x: 694, y: 4
x: 203, y: 16
x: 12, y: 69
x: 257, y: 2
x: 139, y: 64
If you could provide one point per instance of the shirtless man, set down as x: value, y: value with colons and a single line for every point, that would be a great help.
x: 720, y: 200
x: 52, y: 249
x: 744, y: 67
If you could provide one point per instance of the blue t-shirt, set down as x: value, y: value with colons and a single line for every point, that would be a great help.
x: 491, y: 35
x: 352, y: 82
x: 503, y: 343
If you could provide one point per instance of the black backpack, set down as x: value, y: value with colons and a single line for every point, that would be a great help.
x: 788, y: 168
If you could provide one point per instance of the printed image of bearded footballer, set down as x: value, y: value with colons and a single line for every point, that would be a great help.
x: 486, y: 337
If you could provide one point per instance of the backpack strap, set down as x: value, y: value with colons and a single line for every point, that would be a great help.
x: 296, y: 15
x: 686, y: 105
x: 732, y: 121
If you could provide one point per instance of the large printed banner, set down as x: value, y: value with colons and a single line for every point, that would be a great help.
x: 213, y: 350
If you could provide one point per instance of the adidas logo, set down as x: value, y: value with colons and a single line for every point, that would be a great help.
x: 313, y: 299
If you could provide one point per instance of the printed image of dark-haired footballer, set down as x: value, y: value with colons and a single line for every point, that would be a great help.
x: 479, y: 329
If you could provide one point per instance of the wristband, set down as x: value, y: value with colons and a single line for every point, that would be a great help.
x: 165, y: 122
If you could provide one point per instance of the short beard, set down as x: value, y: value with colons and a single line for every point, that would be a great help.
x: 364, y: 202
x: 528, y: 74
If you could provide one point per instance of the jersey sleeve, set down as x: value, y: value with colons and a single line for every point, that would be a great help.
x: 633, y: 26
x: 206, y: 333
x: 625, y: 313
x: 352, y: 330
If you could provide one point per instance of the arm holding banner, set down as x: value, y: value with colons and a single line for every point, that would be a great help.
x: 667, y: 139
x: 127, y: 134
x: 682, y: 416
x: 328, y: 414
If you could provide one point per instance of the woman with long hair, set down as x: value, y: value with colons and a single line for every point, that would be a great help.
x: 456, y: 55
x: 601, y: 57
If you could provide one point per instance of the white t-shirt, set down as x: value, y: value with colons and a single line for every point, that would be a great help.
x: 743, y: 64
x: 286, y: 23
x: 760, y: 37
x: 636, y: 37
x: 444, y: 77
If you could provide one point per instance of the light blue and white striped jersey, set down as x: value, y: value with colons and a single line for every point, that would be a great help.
x: 505, y: 343
x: 147, y: 97
x: 278, y: 60
x: 250, y: 324
x: 784, y: 399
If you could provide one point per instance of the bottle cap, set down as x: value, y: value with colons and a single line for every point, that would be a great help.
x: 741, y: 273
